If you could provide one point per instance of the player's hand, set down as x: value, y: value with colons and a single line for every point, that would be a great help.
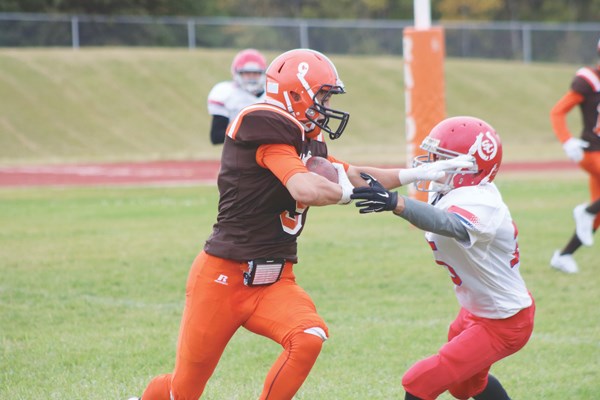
x: 574, y: 148
x: 374, y: 198
x: 344, y: 182
x: 435, y: 170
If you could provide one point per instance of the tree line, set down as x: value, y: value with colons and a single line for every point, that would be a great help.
x: 450, y: 10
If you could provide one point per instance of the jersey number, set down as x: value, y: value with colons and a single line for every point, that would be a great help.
x: 454, y: 276
x: 292, y: 223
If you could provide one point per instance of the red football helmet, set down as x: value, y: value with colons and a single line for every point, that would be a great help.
x: 248, y: 71
x: 462, y: 136
x: 302, y: 81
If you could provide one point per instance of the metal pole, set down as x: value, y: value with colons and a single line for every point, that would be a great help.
x: 75, y: 32
x: 304, y: 35
x: 191, y: 28
x: 526, y: 43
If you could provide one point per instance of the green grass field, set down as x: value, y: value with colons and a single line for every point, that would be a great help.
x: 93, y: 279
x: 93, y: 283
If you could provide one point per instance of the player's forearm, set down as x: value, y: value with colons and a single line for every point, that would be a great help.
x: 388, y: 177
x: 430, y: 219
x: 558, y: 114
x: 313, y: 190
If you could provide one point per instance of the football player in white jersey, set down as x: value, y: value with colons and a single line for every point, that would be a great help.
x: 227, y: 98
x: 471, y: 232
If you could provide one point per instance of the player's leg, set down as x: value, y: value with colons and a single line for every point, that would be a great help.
x: 287, y: 315
x: 586, y: 215
x: 462, y: 364
x: 493, y: 390
x: 594, y: 185
x: 505, y: 336
x: 432, y: 376
x: 207, y: 325
x: 563, y: 259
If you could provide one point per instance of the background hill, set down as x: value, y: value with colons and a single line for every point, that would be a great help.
x: 124, y: 104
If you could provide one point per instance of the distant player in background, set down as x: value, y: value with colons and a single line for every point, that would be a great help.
x: 473, y: 236
x: 585, y: 151
x: 226, y: 99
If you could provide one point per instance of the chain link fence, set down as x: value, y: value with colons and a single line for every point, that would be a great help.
x: 527, y: 42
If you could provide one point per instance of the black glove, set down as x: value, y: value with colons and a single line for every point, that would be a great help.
x: 374, y: 198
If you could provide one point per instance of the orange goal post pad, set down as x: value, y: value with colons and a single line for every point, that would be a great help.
x: 425, y: 100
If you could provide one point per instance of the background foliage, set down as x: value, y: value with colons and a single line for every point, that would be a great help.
x: 487, y: 10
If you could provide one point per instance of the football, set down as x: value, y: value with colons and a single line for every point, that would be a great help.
x: 322, y: 166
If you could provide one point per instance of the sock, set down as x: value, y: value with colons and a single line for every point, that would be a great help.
x: 492, y: 391
x: 572, y: 246
x: 593, y: 208
x: 409, y: 396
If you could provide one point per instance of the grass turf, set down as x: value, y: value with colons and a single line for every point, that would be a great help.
x: 93, y: 283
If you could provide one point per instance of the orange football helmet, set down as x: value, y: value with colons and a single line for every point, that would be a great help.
x: 302, y: 82
x: 462, y: 136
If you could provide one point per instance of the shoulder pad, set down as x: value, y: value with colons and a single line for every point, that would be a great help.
x: 220, y: 92
x: 590, y: 78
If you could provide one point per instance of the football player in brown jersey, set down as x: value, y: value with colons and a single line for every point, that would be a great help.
x: 244, y: 277
x: 585, y: 151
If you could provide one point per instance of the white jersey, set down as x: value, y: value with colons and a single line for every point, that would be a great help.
x: 485, y: 269
x: 227, y: 99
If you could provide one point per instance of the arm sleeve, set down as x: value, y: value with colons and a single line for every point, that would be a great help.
x: 218, y: 128
x: 558, y: 114
x: 335, y: 160
x: 281, y: 159
x: 430, y: 219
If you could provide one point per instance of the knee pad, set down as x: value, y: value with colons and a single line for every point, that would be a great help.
x: 305, y: 346
x: 317, y: 331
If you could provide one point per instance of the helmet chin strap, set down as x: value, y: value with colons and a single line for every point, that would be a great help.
x: 311, y: 130
x: 438, y: 187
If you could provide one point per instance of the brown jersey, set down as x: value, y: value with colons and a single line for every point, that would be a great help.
x: 587, y: 83
x: 258, y: 218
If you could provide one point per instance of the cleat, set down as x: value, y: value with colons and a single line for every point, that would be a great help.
x: 565, y: 263
x: 584, y: 224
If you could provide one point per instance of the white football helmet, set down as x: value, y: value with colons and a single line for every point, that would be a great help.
x: 248, y: 71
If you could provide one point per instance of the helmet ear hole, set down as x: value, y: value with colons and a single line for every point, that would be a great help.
x: 295, y: 96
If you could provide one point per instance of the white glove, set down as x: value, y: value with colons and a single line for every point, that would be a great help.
x: 574, y: 148
x: 344, y: 182
x: 435, y: 170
